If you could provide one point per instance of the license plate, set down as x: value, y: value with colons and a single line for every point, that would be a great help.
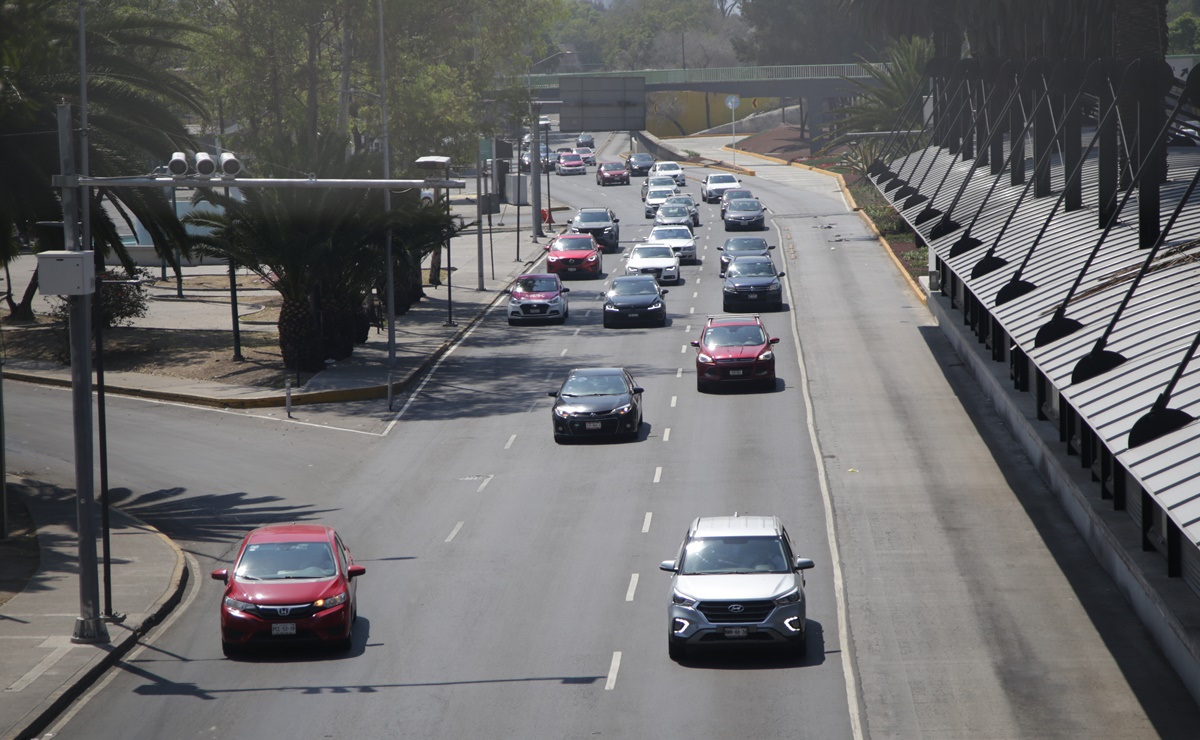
x: 591, y: 425
x: 571, y: 269
x: 633, y: 315
x: 751, y: 296
x: 737, y: 631
x: 735, y: 373
x: 283, y: 628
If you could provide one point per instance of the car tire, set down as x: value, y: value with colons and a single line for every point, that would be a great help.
x: 677, y: 650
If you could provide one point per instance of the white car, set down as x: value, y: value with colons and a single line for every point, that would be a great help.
x: 669, y: 169
x: 679, y: 238
x: 655, y: 198
x: 588, y: 154
x: 659, y: 260
x: 714, y: 185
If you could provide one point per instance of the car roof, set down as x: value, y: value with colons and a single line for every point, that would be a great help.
x: 291, y: 533
x: 735, y: 320
x: 593, y: 209
x: 722, y: 174
x: 736, y: 526
x: 667, y: 161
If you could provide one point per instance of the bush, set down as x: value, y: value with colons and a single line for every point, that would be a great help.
x: 120, y: 302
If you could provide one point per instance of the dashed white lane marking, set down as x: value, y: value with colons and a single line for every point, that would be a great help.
x: 483, y: 485
x: 646, y: 522
x: 563, y: 353
x: 683, y: 349
x: 611, y: 683
x: 692, y: 309
x: 633, y: 579
x: 532, y: 406
x: 577, y: 331
x: 679, y: 372
x: 587, y: 313
x: 673, y: 400
x: 48, y: 662
x: 667, y: 434
x: 455, y: 531
x: 508, y: 444
x: 695, y: 294
x: 698, y: 279
x: 687, y: 329
x: 550, y: 375
x: 657, y: 474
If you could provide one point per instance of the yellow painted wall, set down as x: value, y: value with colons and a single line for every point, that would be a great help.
x: 688, y: 109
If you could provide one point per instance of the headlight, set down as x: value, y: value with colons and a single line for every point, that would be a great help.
x: 680, y: 600
x: 624, y: 409
x: 704, y: 358
x: 331, y: 601
x: 591, y: 258
x: 552, y: 258
x: 608, y: 229
x: 655, y: 306
x: 610, y: 307
x: 789, y: 598
x: 729, y: 289
x: 241, y: 606
x: 560, y: 412
x: 768, y: 355
x: 775, y: 286
x: 629, y: 269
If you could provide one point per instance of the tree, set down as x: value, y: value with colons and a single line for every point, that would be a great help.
x: 1182, y: 34
x: 881, y: 98
x: 798, y: 32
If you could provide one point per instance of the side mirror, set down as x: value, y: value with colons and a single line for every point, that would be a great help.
x: 722, y: 249
x: 221, y: 574
x: 781, y: 274
x: 354, y: 571
x: 552, y: 394
x: 566, y: 290
x: 695, y: 342
x: 546, y: 248
x: 507, y: 291
x: 664, y: 291
x: 638, y: 389
x: 667, y: 565
x: 774, y: 340
x: 770, y: 246
x: 804, y: 564
x: 616, y: 220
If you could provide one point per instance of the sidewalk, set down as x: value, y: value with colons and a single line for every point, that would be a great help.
x: 41, y: 670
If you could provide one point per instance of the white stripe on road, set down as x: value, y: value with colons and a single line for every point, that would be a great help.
x: 511, y: 439
x: 612, y: 671
x: 667, y: 434
x: 683, y: 349
x: 657, y: 474
x: 483, y: 485
x: 577, y: 331
x: 646, y: 522
x: 455, y: 530
x: 673, y: 399
x: 679, y: 372
x: 687, y: 329
x: 632, y: 587
x: 692, y: 309
x: 560, y: 354
x: 695, y: 294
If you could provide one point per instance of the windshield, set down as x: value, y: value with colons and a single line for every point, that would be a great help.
x: 672, y: 233
x: 612, y: 167
x: 735, y: 194
x: 271, y: 561
x: 721, y: 179
x: 664, y: 194
x: 734, y: 336
x: 572, y: 245
x: 734, y: 555
x: 537, y: 285
x: 744, y: 205
x: 663, y: 182
x: 634, y: 287
x: 653, y: 253
x: 592, y: 217
x: 640, y: 158
x: 594, y: 385
x: 667, y: 167
x: 750, y: 269
x: 683, y: 200
x: 746, y: 245
x: 674, y: 210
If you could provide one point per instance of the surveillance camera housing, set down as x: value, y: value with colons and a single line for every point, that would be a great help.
x: 205, y: 166
x: 230, y: 166
x: 178, y: 166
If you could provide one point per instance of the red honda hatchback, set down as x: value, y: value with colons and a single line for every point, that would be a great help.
x: 735, y: 350
x: 575, y: 255
x: 290, y: 583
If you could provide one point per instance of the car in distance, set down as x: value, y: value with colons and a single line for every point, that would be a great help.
x: 569, y: 164
x: 752, y: 283
x: 635, y: 299
x: 585, y: 140
x: 538, y: 297
x: 595, y: 402
x: 655, y: 198
x: 736, y: 582
x: 688, y: 202
x: 657, y: 182
x: 734, y: 351
x: 640, y: 163
x: 601, y: 223
x: 672, y: 214
x: 745, y: 213
x: 588, y: 154
x: 743, y: 246
x: 289, y: 583
x: 680, y: 238
x: 733, y: 194
x: 612, y: 173
x: 713, y: 185
x: 671, y: 169
x: 657, y: 260
x: 576, y: 255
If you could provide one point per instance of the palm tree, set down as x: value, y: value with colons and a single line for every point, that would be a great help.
x: 879, y: 99
x: 133, y: 102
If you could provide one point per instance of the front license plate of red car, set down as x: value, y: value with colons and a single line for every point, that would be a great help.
x: 737, y: 631
x: 591, y: 425
x: 735, y: 373
x: 283, y: 628
x: 570, y: 269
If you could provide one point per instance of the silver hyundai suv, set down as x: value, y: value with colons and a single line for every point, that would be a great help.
x: 736, y: 581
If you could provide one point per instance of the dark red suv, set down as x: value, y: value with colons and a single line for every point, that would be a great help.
x: 612, y: 172
x: 735, y: 351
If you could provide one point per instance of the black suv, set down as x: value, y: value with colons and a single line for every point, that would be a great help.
x: 601, y: 223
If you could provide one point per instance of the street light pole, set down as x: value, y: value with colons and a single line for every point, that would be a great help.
x: 387, y: 199
x: 535, y: 155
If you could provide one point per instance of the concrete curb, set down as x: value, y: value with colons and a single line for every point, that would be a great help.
x: 171, y: 597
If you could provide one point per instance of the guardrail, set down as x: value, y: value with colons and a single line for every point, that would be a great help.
x: 720, y: 74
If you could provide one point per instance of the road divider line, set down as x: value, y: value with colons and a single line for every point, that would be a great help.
x: 695, y: 294
x: 508, y: 444
x: 673, y: 400
x: 658, y: 474
x: 679, y: 372
x: 646, y: 522
x: 633, y: 579
x: 577, y: 331
x: 667, y: 434
x: 564, y: 352
x: 687, y: 329
x: 692, y: 309
x: 454, y: 531
x: 682, y: 349
x: 613, y: 667
x: 532, y: 406
x: 483, y: 485
x: 587, y: 313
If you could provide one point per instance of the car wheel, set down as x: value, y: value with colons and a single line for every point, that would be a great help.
x: 677, y: 651
x: 511, y: 322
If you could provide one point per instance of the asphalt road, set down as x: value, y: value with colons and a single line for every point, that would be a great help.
x: 513, y: 588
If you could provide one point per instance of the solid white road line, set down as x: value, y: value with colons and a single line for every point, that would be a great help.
x: 483, y: 485
x: 646, y: 522
x: 508, y: 444
x: 633, y: 579
x: 657, y: 474
x: 455, y: 531
x: 667, y: 434
x: 612, y: 671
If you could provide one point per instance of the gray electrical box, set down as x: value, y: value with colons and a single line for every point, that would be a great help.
x: 66, y: 273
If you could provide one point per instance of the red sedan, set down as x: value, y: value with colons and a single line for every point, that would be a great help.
x: 575, y: 255
x: 735, y: 351
x: 290, y: 583
x: 610, y: 173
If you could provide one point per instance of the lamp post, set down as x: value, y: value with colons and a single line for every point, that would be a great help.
x: 443, y: 163
x: 535, y: 155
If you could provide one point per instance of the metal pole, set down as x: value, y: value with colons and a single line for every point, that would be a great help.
x: 535, y: 174
x: 3, y: 462
x: 449, y: 265
x: 733, y: 133
x: 479, y: 217
x: 518, y: 189
x: 387, y: 199
x: 549, y: 200
x: 89, y: 627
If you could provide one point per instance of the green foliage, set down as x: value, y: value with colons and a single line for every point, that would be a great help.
x: 798, y: 32
x: 1183, y: 33
x: 859, y: 155
x: 878, y: 106
x: 120, y: 299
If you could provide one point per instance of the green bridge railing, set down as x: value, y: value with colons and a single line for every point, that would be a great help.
x: 719, y: 74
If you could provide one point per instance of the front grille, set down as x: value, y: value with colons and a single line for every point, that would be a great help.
x: 751, y: 611
x: 294, y: 611
x: 655, y: 271
x: 572, y: 261
x: 536, y: 309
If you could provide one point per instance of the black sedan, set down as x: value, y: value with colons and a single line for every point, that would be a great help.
x: 640, y: 163
x: 635, y: 299
x: 595, y: 402
x: 745, y: 213
x: 751, y: 283
x: 743, y: 246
